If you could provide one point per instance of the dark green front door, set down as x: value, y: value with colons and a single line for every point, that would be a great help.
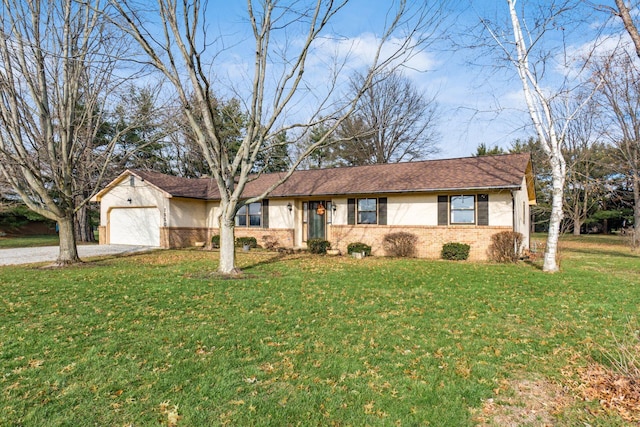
x: 317, y: 220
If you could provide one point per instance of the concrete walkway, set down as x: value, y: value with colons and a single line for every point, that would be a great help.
x: 50, y: 253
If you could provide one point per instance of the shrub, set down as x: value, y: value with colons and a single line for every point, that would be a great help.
x: 400, y: 244
x: 318, y: 246
x: 455, y: 251
x: 215, y: 241
x: 505, y: 246
x: 359, y: 247
x: 269, y: 242
x: 251, y: 241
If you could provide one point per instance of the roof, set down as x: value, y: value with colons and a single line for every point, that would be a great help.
x: 469, y: 173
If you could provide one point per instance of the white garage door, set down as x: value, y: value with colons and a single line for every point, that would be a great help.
x: 134, y: 226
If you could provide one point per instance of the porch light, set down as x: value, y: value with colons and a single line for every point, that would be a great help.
x: 334, y: 207
x: 289, y: 206
x: 129, y: 200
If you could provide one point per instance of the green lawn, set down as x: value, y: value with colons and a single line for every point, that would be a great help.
x: 156, y: 339
x: 29, y: 241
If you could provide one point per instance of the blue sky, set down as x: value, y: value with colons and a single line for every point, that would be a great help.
x: 478, y: 104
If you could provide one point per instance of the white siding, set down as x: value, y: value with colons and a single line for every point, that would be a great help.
x: 279, y: 215
x: 500, y: 209
x: 141, y: 194
x: 422, y: 209
x: 187, y: 213
x: 339, y: 217
x: 522, y: 212
x: 412, y: 210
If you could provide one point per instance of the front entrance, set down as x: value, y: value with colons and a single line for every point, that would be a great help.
x: 317, y: 220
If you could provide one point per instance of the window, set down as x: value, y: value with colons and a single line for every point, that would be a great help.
x: 367, y: 211
x: 463, y: 209
x: 249, y: 215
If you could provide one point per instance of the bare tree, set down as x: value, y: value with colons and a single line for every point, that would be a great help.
x: 586, y: 157
x: 623, y: 12
x: 550, y: 121
x: 56, y: 77
x: 394, y: 122
x: 176, y: 40
x: 620, y: 95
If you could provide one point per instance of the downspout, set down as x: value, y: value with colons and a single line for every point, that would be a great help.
x: 513, y: 221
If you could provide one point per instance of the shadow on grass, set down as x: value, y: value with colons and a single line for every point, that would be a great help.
x: 604, y: 252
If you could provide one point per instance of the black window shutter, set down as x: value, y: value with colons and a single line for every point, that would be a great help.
x: 382, y: 211
x: 265, y: 213
x: 443, y: 210
x: 483, y: 209
x: 351, y: 211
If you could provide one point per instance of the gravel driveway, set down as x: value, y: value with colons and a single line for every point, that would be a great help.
x: 50, y: 253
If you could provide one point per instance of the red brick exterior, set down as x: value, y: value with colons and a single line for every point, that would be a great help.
x: 182, y: 237
x: 174, y: 237
x: 283, y: 237
x: 430, y: 238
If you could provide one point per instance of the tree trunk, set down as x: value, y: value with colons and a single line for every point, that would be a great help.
x: 631, y: 28
x: 68, y: 249
x: 227, y: 247
x: 576, y: 227
x: 551, y: 253
x: 82, y: 226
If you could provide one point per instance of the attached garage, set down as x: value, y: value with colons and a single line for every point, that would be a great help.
x: 134, y: 226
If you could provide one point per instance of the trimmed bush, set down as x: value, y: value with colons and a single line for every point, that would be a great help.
x: 505, y: 246
x: 359, y: 247
x: 318, y: 246
x: 269, y: 242
x: 400, y: 244
x: 455, y: 251
x: 215, y: 241
x: 251, y: 241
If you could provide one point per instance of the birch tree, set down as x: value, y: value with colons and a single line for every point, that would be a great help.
x: 284, y: 35
x: 550, y: 123
x: 623, y: 12
x: 56, y: 76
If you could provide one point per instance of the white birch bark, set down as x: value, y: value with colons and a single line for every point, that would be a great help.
x: 544, y: 123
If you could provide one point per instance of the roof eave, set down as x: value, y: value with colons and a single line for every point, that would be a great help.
x: 420, y: 190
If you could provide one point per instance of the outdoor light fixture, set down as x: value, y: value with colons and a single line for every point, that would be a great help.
x: 289, y: 206
x: 129, y: 200
x: 334, y: 207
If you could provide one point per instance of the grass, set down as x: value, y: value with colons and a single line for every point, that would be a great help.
x: 301, y: 340
x: 29, y: 241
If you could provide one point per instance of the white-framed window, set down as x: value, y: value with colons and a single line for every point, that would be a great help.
x: 249, y: 215
x: 367, y: 211
x: 463, y: 209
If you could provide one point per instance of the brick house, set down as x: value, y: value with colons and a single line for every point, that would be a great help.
x: 464, y: 200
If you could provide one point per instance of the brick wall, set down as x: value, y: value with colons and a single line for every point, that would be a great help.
x: 430, y: 238
x: 102, y: 235
x: 174, y: 237
x: 282, y: 236
x: 182, y: 237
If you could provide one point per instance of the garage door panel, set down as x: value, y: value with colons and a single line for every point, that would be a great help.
x: 135, y: 226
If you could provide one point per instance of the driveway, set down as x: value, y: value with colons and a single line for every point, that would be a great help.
x: 50, y: 253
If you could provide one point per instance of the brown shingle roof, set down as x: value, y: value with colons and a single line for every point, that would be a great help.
x: 469, y: 173
x: 178, y: 187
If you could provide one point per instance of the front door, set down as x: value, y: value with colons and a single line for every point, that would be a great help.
x: 317, y: 220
